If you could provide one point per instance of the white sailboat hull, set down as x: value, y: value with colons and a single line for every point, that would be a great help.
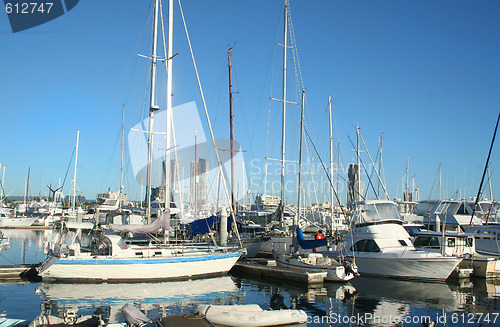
x: 9, y: 222
x: 136, y: 269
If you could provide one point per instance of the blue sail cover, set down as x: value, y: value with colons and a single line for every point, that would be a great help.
x: 309, y: 244
x: 202, y: 226
x: 205, y: 225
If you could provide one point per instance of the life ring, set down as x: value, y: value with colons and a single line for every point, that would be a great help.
x: 319, y: 236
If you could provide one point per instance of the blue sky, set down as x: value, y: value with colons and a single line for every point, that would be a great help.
x: 425, y: 73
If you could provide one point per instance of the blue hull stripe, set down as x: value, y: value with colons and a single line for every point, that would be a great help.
x: 144, y: 260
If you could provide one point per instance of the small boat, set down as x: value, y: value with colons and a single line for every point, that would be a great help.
x: 249, y: 315
x: 7, y: 221
x: 135, y: 317
x: 9, y: 322
x: 336, y: 271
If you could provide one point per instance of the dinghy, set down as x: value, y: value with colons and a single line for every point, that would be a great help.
x: 249, y: 315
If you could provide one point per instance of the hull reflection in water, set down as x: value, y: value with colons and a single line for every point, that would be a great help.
x: 149, y: 296
x: 437, y: 295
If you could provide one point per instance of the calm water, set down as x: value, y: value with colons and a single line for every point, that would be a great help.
x: 363, y: 302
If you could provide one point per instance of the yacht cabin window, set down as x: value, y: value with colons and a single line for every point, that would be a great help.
x: 426, y: 242
x: 489, y: 207
x: 365, y: 246
x: 449, y: 208
x: 462, y: 210
x: 403, y: 243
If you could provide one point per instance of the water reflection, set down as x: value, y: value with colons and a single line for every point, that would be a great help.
x: 330, y: 304
x: 156, y: 299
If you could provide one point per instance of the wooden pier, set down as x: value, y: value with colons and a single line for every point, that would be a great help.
x: 10, y: 272
x: 266, y: 268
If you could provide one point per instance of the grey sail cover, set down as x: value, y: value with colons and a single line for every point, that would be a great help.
x: 161, y: 223
x: 133, y: 315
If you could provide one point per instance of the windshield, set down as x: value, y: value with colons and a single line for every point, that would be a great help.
x: 485, y: 207
x: 379, y: 211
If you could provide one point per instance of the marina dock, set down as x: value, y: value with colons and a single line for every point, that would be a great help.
x: 9, y: 272
x: 267, y: 269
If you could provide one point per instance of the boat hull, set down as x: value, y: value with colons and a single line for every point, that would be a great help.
x: 483, y: 267
x: 433, y: 269
x: 138, y: 269
x: 250, y: 315
x: 16, y: 222
x: 334, y: 273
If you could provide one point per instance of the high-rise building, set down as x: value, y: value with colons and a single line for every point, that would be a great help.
x: 199, y: 183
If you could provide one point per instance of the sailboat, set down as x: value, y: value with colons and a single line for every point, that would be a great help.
x: 336, y: 271
x: 109, y: 257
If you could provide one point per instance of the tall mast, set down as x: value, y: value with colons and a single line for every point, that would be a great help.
x: 74, y: 174
x: 284, y: 114
x: 299, y: 207
x: 195, y: 175
x: 331, y: 157
x: 265, y: 177
x: 440, y: 188
x: 121, y: 161
x: 229, y: 54
x: 407, y: 178
x: 359, y: 192
x: 380, y: 162
x: 2, y: 191
x: 26, y: 196
x: 338, y: 164
x: 152, y: 109
x: 169, y: 103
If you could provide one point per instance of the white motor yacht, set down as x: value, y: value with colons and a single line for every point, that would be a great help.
x: 380, y: 246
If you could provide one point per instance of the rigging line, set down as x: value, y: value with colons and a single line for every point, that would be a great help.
x: 366, y: 173
x: 327, y: 175
x: 219, y: 162
x: 273, y: 70
x: 239, y: 108
x: 101, y: 127
x: 295, y: 52
x: 109, y: 166
x: 311, y: 163
x: 433, y: 183
x: 298, y: 70
x: 67, y: 170
x: 375, y: 169
x: 135, y: 51
x: 485, y: 170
